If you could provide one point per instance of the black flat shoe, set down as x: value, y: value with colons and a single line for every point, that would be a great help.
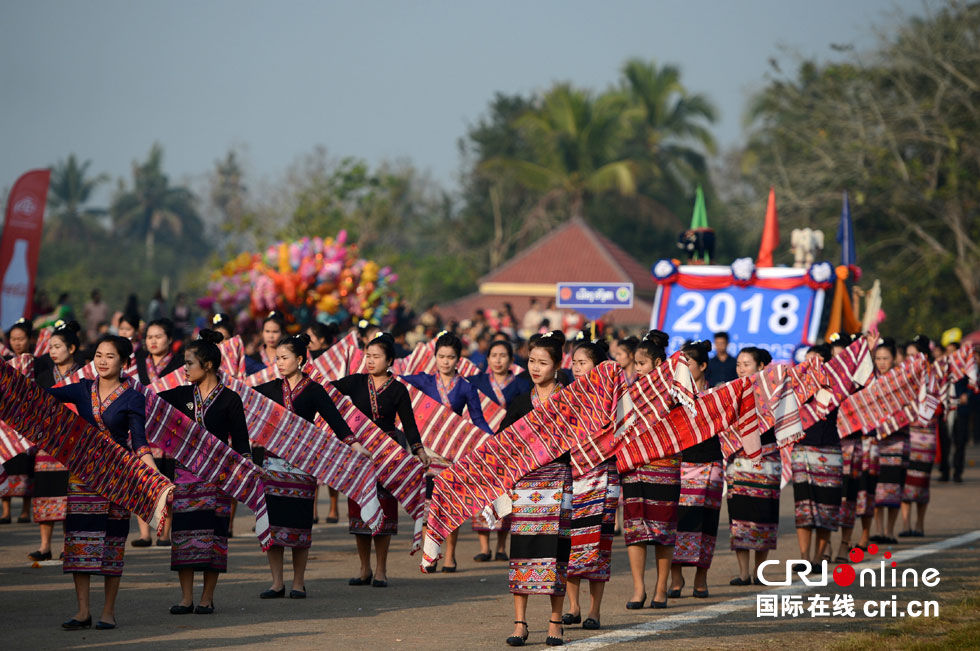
x: 76, y: 625
x: 5, y: 520
x: 359, y: 581
x: 297, y: 594
x: 636, y: 605
x: 500, y: 556
x: 205, y: 610
x: 178, y: 609
x: 316, y: 520
x: 23, y: 519
x: 379, y: 584
x: 448, y: 569
x: 430, y: 569
x: 568, y: 619
x: 701, y: 594
x: 878, y: 539
x: 39, y: 556
x: 482, y: 558
x: 333, y: 520
x: 756, y: 580
x: 918, y: 534
x: 890, y: 541
x: 658, y: 604
x: 104, y: 626
x: 740, y: 581
x: 273, y: 594
x: 141, y: 542
x: 591, y: 624
x: 515, y: 640
x: 163, y: 542
x: 551, y: 640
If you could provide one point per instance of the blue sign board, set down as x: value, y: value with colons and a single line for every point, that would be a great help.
x: 594, y: 299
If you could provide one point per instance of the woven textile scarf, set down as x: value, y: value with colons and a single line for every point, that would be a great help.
x: 780, y: 390
x: 423, y: 360
x: 4, y: 351
x: 43, y: 342
x: 443, y: 431
x: 232, y: 357
x: 106, y: 468
x: 314, y: 450
x: 332, y: 364
x: 842, y: 376
x: 962, y: 364
x: 205, y: 457
x: 12, y: 443
x: 728, y: 406
x: 476, y: 479
x: 886, y: 405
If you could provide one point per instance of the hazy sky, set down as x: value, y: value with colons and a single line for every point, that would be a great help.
x: 105, y: 79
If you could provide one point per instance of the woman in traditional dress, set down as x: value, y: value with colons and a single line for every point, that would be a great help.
x: 650, y: 496
x: 155, y: 360
x: 851, y: 460
x: 290, y: 492
x: 50, y: 501
x: 624, y: 353
x: 700, y: 500
x: 753, y: 488
x: 129, y: 328
x: 501, y: 386
x: 595, y: 498
x: 380, y: 397
x: 323, y: 336
x: 893, y: 462
x: 922, y: 453
x: 96, y: 529
x: 273, y: 330
x: 201, y: 511
x: 20, y: 467
x: 817, y: 477
x: 540, y: 541
x: 451, y: 390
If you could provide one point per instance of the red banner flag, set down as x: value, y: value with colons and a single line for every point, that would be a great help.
x: 21, y: 245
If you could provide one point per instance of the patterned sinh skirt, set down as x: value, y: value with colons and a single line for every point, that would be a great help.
x: 389, y: 517
x: 850, y: 449
x: 817, y: 486
x: 95, y: 532
x: 650, y: 497
x: 595, y: 498
x: 753, y: 499
x: 18, y: 481
x: 894, y: 463
x: 199, y: 536
x: 922, y: 454
x: 50, y: 500
x: 697, y: 513
x: 540, y: 542
x: 289, y: 494
x: 868, y: 479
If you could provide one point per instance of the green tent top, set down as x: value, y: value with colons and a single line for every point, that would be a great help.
x: 700, y: 217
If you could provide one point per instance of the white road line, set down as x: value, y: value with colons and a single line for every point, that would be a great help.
x: 717, y: 610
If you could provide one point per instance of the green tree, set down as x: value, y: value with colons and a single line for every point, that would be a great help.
x: 153, y: 207
x: 69, y: 193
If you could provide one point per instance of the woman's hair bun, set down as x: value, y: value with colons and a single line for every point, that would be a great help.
x: 384, y: 336
x: 71, y: 326
x: 657, y: 338
x: 557, y: 335
x: 211, y: 336
x: 302, y: 338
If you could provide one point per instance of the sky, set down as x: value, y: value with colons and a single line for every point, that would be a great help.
x: 379, y: 80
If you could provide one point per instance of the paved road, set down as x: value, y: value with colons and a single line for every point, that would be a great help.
x: 471, y: 608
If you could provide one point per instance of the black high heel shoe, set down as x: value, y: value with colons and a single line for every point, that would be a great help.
x: 76, y: 625
x: 551, y: 640
x: 676, y: 593
x: 636, y: 605
x: 515, y: 640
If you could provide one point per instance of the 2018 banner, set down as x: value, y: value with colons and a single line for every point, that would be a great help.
x: 774, y: 308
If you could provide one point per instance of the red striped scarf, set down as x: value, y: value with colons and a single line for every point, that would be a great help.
x: 443, y: 431
x: 91, y: 455
x: 886, y: 405
x: 12, y: 443
x: 842, y: 376
x: 232, y: 357
x: 780, y: 390
x: 314, y: 450
x: 962, y: 364
x: 333, y: 363
x: 423, y: 360
x: 479, y: 476
x: 43, y: 342
x: 24, y: 364
x: 4, y: 351
x: 206, y: 457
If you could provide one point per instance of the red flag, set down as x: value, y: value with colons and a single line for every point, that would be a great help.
x: 21, y: 245
x: 770, y: 233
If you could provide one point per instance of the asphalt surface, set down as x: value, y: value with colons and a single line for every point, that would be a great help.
x: 468, y: 609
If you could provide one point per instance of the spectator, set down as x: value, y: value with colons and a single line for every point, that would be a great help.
x: 479, y: 356
x: 182, y: 316
x: 721, y: 367
x: 95, y: 312
x: 157, y: 308
x: 532, y: 320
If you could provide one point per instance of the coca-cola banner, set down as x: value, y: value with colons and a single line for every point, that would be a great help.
x: 21, y: 245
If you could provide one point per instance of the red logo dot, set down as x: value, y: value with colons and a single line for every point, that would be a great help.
x: 888, y: 554
x: 856, y: 555
x: 894, y: 564
x: 566, y: 293
x: 844, y: 575
x: 872, y: 548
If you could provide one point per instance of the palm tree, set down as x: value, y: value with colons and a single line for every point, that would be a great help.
x: 575, y: 140
x: 152, y: 205
x: 671, y: 135
x: 69, y: 191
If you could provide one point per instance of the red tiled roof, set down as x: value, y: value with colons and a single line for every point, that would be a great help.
x: 574, y: 252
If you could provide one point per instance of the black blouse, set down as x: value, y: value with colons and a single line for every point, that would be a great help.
x: 44, y: 371
x: 823, y: 433
x: 224, y: 418
x: 312, y: 401
x: 394, y: 400
x: 176, y: 361
x: 704, y: 452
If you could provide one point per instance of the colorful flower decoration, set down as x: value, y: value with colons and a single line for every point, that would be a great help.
x: 664, y: 271
x: 311, y: 278
x: 820, y: 275
x: 743, y: 271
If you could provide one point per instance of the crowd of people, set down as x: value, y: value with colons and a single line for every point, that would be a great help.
x: 671, y: 505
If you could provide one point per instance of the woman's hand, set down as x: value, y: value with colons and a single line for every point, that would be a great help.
x: 148, y: 460
x: 360, y: 449
x: 423, y: 458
